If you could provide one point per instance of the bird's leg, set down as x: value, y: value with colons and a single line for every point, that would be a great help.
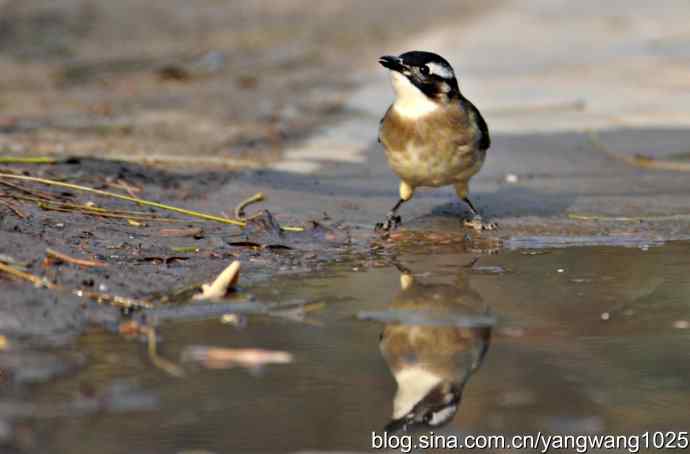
x: 476, y: 222
x: 393, y: 220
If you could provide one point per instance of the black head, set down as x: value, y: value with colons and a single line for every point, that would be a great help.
x: 435, y: 410
x: 427, y: 71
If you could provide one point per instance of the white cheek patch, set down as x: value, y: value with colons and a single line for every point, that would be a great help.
x: 413, y: 384
x: 441, y: 416
x: 410, y: 102
x: 442, y: 71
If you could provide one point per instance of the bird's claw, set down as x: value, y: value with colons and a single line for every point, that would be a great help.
x: 391, y: 223
x: 479, y: 225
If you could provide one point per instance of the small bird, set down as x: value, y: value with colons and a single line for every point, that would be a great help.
x: 433, y: 359
x: 433, y: 136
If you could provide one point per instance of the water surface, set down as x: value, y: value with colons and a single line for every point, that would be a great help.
x: 574, y: 340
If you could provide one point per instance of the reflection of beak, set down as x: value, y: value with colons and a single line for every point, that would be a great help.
x: 392, y: 63
x: 396, y: 426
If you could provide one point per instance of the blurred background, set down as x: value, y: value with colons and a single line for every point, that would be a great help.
x: 243, y: 80
x: 216, y: 77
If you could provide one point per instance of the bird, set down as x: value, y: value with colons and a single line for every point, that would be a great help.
x: 432, y: 135
x: 433, y: 355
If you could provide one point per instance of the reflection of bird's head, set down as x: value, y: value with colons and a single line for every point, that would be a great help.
x: 431, y: 408
x: 422, y: 75
x: 432, y: 362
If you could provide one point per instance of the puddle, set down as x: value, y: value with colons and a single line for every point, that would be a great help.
x: 589, y: 339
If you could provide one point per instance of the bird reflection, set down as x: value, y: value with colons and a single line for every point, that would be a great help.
x: 433, y: 354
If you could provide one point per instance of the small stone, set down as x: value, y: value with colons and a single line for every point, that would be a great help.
x: 560, y: 270
x: 605, y: 316
x: 511, y: 178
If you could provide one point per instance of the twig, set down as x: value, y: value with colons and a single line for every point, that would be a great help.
x: 239, y: 211
x: 158, y: 361
x: 14, y: 209
x: 29, y: 160
x: 39, y: 194
x: 37, y: 281
x: 114, y: 300
x: 75, y: 261
x: 638, y: 160
x: 137, y: 200
x: 596, y: 217
x: 128, y: 303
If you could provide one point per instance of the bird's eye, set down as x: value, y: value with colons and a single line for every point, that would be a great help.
x: 424, y: 70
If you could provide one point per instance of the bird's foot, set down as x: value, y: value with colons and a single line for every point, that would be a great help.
x: 391, y: 223
x: 478, y: 224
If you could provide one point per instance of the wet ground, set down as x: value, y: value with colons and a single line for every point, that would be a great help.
x: 583, y: 340
x: 572, y: 317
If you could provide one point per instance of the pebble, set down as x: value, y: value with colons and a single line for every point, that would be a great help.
x: 511, y: 178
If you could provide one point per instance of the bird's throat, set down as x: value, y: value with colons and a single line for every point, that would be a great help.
x: 410, y: 101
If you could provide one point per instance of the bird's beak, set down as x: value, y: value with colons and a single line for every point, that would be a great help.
x: 392, y: 63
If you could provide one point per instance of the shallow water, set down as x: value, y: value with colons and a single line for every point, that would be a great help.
x: 571, y: 340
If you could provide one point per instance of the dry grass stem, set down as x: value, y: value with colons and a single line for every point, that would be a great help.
x: 136, y: 200
x: 74, y: 261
